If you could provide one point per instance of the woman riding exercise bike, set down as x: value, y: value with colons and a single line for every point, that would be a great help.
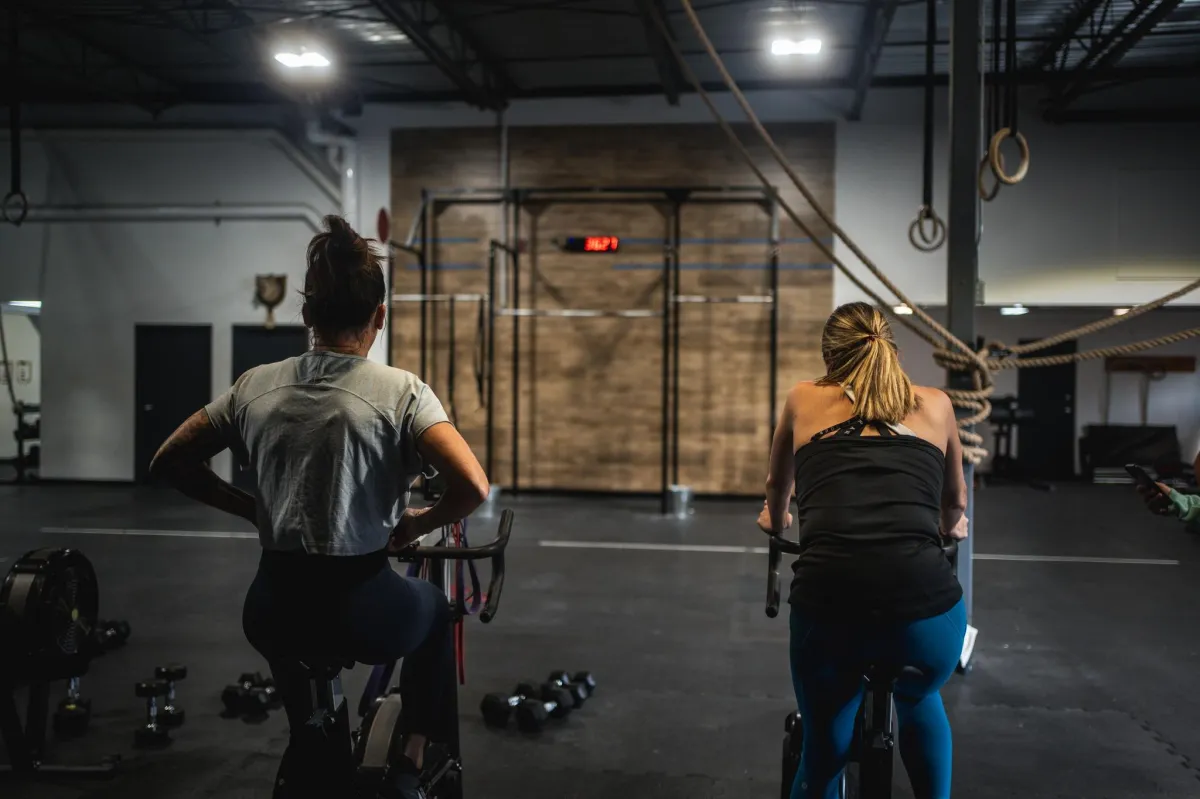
x: 877, y: 467
x: 336, y: 441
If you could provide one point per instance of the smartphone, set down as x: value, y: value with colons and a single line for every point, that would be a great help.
x: 1140, y: 476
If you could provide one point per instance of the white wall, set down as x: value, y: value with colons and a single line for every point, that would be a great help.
x: 1173, y: 401
x: 1104, y: 217
x: 98, y: 280
x: 21, y: 336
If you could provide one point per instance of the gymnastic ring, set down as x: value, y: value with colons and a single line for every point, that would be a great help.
x: 997, y: 161
x: 987, y: 195
x: 935, y: 238
x: 15, y: 212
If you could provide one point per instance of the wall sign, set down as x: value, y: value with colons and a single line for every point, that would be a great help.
x: 22, y: 372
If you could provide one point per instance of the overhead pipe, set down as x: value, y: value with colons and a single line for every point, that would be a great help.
x: 302, y: 162
x: 346, y: 163
x: 215, y: 212
x: 272, y: 136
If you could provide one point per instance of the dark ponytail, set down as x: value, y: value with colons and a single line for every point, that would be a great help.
x: 344, y: 282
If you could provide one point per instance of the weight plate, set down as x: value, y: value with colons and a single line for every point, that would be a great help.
x: 49, y: 603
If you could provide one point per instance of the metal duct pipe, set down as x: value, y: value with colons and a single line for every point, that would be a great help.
x: 272, y: 136
x: 347, y: 165
x: 305, y: 165
x: 175, y: 213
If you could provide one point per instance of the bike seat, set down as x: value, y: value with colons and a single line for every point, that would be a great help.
x: 325, y: 667
x: 890, y: 672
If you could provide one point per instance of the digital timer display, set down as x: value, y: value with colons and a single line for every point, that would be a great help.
x: 592, y: 244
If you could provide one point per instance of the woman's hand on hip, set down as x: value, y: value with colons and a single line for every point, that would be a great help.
x: 409, y: 529
x: 764, y: 520
x: 959, y: 531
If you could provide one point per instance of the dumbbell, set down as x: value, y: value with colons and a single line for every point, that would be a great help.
x: 170, y: 715
x: 153, y: 735
x: 497, y: 708
x: 109, y: 635
x: 252, y: 680
x: 580, y: 691
x: 585, y: 678
x: 555, y: 703
x: 73, y: 715
x: 251, y: 703
x: 252, y: 696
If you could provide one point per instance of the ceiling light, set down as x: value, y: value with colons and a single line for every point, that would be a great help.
x: 26, y: 303
x: 1120, y: 311
x: 902, y: 310
x: 784, y: 47
x: 1016, y: 309
x: 304, y: 59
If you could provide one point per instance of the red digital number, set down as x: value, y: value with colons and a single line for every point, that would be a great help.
x: 600, y: 243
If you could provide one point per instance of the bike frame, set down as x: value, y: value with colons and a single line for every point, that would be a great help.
x: 440, y: 559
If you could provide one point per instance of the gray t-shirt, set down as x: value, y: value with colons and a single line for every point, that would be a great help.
x: 333, y: 441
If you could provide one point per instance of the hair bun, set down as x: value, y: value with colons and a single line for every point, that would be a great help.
x: 344, y: 242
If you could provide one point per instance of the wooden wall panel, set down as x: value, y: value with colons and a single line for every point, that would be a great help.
x: 590, y: 389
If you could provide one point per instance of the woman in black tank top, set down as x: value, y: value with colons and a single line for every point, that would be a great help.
x: 873, y: 501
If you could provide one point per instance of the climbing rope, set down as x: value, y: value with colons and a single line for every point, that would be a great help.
x: 949, y: 352
x: 974, y: 400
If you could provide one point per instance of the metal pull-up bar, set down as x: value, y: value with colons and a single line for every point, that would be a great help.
x: 439, y: 297
x: 746, y: 299
x: 503, y: 296
x: 582, y: 313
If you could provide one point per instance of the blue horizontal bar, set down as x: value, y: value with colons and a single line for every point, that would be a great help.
x: 457, y: 239
x: 657, y: 265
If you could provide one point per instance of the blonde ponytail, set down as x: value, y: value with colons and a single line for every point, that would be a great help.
x: 860, y: 354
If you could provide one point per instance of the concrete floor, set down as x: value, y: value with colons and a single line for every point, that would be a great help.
x: 1083, y: 684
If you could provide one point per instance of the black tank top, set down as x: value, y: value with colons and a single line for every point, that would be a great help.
x: 869, y: 511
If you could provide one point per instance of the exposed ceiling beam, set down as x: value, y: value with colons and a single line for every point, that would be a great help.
x: 1140, y: 115
x: 669, y: 73
x: 64, y: 24
x: 1107, y: 51
x: 50, y: 91
x: 489, y: 89
x: 1061, y: 37
x: 457, y: 27
x: 877, y: 21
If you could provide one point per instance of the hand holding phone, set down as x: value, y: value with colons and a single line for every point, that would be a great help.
x: 1156, y: 495
x: 1140, y: 476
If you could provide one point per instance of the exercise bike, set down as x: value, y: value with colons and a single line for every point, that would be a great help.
x: 868, y: 773
x: 335, y: 762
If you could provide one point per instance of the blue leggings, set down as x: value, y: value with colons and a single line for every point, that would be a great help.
x: 827, y: 659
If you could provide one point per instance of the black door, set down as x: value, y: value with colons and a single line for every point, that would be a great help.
x: 1046, y: 430
x: 173, y: 380
x: 254, y: 345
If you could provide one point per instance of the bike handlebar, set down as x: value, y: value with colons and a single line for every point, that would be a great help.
x: 493, y: 551
x: 779, y: 545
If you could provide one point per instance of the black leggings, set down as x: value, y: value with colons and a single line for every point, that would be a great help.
x: 353, y: 607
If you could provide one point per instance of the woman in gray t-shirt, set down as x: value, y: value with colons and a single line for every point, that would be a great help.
x: 335, y: 442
